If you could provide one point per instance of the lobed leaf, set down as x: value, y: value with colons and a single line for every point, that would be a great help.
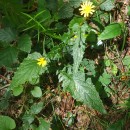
x: 27, y: 71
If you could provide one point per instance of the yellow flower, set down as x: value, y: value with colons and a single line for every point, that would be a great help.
x: 41, y: 61
x: 75, y: 36
x: 87, y: 8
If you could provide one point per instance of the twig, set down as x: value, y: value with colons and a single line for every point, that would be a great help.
x: 4, y: 86
x: 1, y: 76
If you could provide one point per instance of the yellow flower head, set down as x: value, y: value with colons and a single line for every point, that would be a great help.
x: 41, y: 61
x: 75, y: 36
x: 87, y: 8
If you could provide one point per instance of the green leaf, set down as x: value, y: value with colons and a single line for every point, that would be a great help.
x: 28, y: 70
x: 18, y: 90
x: 36, y: 92
x: 105, y: 79
x: 6, y: 123
x: 56, y: 52
x: 52, y: 5
x: 28, y: 118
x: 117, y: 125
x: 43, y: 125
x: 91, y: 38
x: 114, y: 69
x: 66, y: 11
x: 126, y: 60
x: 24, y: 43
x: 89, y: 66
x: 41, y: 5
x: 82, y: 90
x: 8, y: 56
x: 110, y: 31
x: 78, y: 53
x: 78, y: 45
x: 75, y: 20
x: 36, y: 108
x: 4, y: 104
x: 75, y: 3
x: 86, y: 92
x: 108, y: 5
x: 107, y: 62
x: 7, y: 35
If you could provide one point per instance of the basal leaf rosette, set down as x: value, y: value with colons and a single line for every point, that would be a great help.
x: 32, y: 66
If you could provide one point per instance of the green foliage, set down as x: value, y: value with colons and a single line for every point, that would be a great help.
x: 117, y: 125
x: 66, y: 11
x: 7, y: 35
x: 8, y: 56
x: 126, y: 61
x: 7, y: 123
x: 82, y: 90
x: 27, y: 71
x: 128, y: 10
x: 105, y: 79
x: 24, y: 43
x: 67, y: 8
x: 81, y: 60
x: 108, y: 5
x: 17, y: 90
x: 75, y: 3
x: 36, y: 108
x: 43, y: 125
x: 36, y: 92
x: 110, y: 31
x: 89, y: 66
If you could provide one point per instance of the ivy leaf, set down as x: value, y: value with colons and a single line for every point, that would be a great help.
x: 108, y: 5
x: 36, y: 92
x: 27, y: 71
x: 82, y: 90
x: 8, y: 56
x: 6, y: 123
x: 24, y: 43
x: 110, y: 31
x: 7, y: 35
